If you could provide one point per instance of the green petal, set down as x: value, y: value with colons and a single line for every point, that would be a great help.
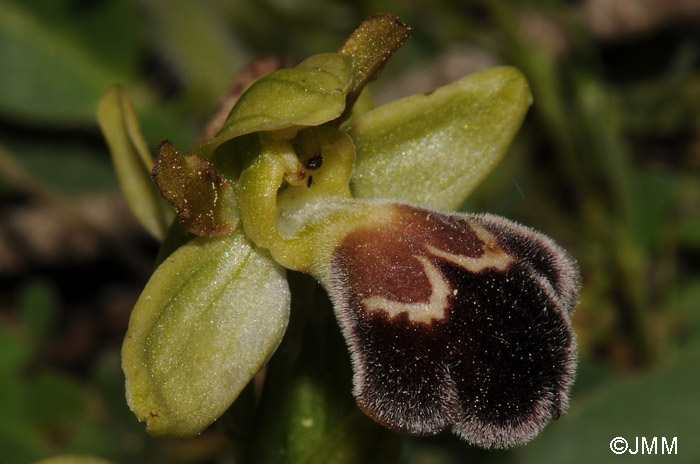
x: 435, y: 149
x: 309, y: 95
x: 369, y: 47
x: 132, y: 161
x: 209, y: 318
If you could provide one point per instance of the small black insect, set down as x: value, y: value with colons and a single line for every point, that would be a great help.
x: 308, y: 181
x: 314, y: 163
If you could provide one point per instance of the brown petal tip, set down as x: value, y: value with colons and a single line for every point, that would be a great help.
x: 205, y: 203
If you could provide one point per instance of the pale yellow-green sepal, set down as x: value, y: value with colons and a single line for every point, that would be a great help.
x: 133, y: 161
x: 212, y: 314
x: 309, y: 95
x: 435, y: 149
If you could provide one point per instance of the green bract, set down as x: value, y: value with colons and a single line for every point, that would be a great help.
x: 215, y: 310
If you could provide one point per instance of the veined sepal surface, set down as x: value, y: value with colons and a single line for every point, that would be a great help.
x: 212, y: 314
x: 436, y: 149
x: 312, y: 93
x: 133, y: 161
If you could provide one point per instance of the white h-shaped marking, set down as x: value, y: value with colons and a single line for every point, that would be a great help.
x: 419, y: 312
x: 493, y: 257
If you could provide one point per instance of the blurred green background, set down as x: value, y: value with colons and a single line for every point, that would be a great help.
x: 607, y: 163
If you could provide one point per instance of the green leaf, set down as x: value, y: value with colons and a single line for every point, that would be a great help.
x: 357, y: 439
x: 687, y: 298
x: 19, y: 441
x: 309, y: 95
x: 200, y: 43
x: 132, y: 161
x: 14, y: 353
x: 49, y: 75
x: 66, y: 167
x: 54, y: 400
x: 209, y: 318
x: 689, y: 231
x: 435, y: 149
x: 307, y: 389
x: 656, y: 193
x: 205, y: 203
x: 662, y: 403
x: 38, y: 302
x: 73, y: 459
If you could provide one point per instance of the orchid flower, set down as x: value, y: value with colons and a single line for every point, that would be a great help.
x: 453, y: 321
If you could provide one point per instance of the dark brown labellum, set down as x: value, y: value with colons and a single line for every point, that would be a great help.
x: 457, y: 322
